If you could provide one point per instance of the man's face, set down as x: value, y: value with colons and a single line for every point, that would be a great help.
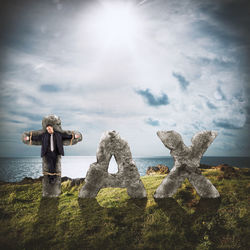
x: 50, y: 130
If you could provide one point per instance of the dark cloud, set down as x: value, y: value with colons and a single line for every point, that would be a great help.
x: 227, y: 124
x: 199, y: 126
x: 211, y: 105
x: 216, y: 62
x: 220, y: 92
x: 152, y: 122
x: 230, y: 25
x: 33, y: 99
x: 31, y: 127
x: 248, y: 110
x: 153, y: 100
x: 227, y: 134
x: 14, y: 121
x: 212, y: 30
x: 28, y: 24
x: 30, y: 116
x: 182, y: 80
x: 231, y: 14
x: 239, y: 96
x: 49, y: 88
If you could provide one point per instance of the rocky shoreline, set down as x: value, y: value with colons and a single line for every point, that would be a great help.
x: 227, y: 172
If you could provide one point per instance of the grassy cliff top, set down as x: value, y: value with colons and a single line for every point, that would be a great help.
x: 114, y: 221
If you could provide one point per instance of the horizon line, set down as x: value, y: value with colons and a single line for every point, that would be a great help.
x: 155, y: 156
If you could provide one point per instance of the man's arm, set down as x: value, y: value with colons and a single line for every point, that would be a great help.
x: 72, y: 136
x: 36, y: 137
x: 66, y: 136
x: 32, y: 137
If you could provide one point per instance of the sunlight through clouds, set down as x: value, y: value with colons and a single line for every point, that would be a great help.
x: 114, y: 24
x: 132, y: 66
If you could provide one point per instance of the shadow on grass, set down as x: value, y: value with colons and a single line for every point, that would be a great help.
x: 107, y: 228
x: 193, y: 227
x: 44, y: 229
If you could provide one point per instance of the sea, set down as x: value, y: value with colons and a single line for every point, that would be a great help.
x: 15, y: 169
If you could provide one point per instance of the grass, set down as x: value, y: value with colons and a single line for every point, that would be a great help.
x: 114, y: 221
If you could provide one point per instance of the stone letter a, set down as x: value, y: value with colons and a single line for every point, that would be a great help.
x: 127, y: 177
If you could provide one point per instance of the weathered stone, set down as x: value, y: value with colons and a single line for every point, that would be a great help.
x: 127, y: 176
x: 159, y: 169
x: 186, y: 163
x: 52, y: 189
x: 56, y: 122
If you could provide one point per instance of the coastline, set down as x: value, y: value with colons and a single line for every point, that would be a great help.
x: 77, y: 181
x: 114, y: 221
x: 15, y: 169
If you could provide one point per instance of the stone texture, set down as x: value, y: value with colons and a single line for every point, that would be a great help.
x: 52, y: 189
x: 127, y: 176
x: 186, y: 163
x: 159, y: 169
x: 56, y: 122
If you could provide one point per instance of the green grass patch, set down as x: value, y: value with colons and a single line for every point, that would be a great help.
x: 115, y: 221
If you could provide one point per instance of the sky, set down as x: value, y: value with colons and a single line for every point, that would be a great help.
x: 136, y: 67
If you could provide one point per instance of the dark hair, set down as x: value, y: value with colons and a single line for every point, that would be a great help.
x: 49, y: 125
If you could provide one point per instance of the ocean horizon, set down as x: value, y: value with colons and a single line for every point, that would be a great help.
x: 14, y: 169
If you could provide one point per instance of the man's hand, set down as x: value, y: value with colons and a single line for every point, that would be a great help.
x: 26, y: 138
x: 77, y: 136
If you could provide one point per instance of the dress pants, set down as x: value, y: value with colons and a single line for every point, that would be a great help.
x: 51, y: 158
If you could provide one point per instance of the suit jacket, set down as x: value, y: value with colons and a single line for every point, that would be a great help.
x: 58, y: 142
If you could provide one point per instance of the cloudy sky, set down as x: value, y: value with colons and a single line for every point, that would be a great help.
x: 131, y: 66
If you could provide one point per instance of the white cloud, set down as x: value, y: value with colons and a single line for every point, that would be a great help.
x: 96, y: 83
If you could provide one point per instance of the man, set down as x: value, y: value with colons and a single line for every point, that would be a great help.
x: 52, y: 146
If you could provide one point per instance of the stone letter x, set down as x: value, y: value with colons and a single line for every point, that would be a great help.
x: 186, y: 163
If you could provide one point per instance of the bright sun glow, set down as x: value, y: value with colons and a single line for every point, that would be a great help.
x: 115, y: 24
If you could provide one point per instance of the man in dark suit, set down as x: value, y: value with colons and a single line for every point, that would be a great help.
x: 52, y: 146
